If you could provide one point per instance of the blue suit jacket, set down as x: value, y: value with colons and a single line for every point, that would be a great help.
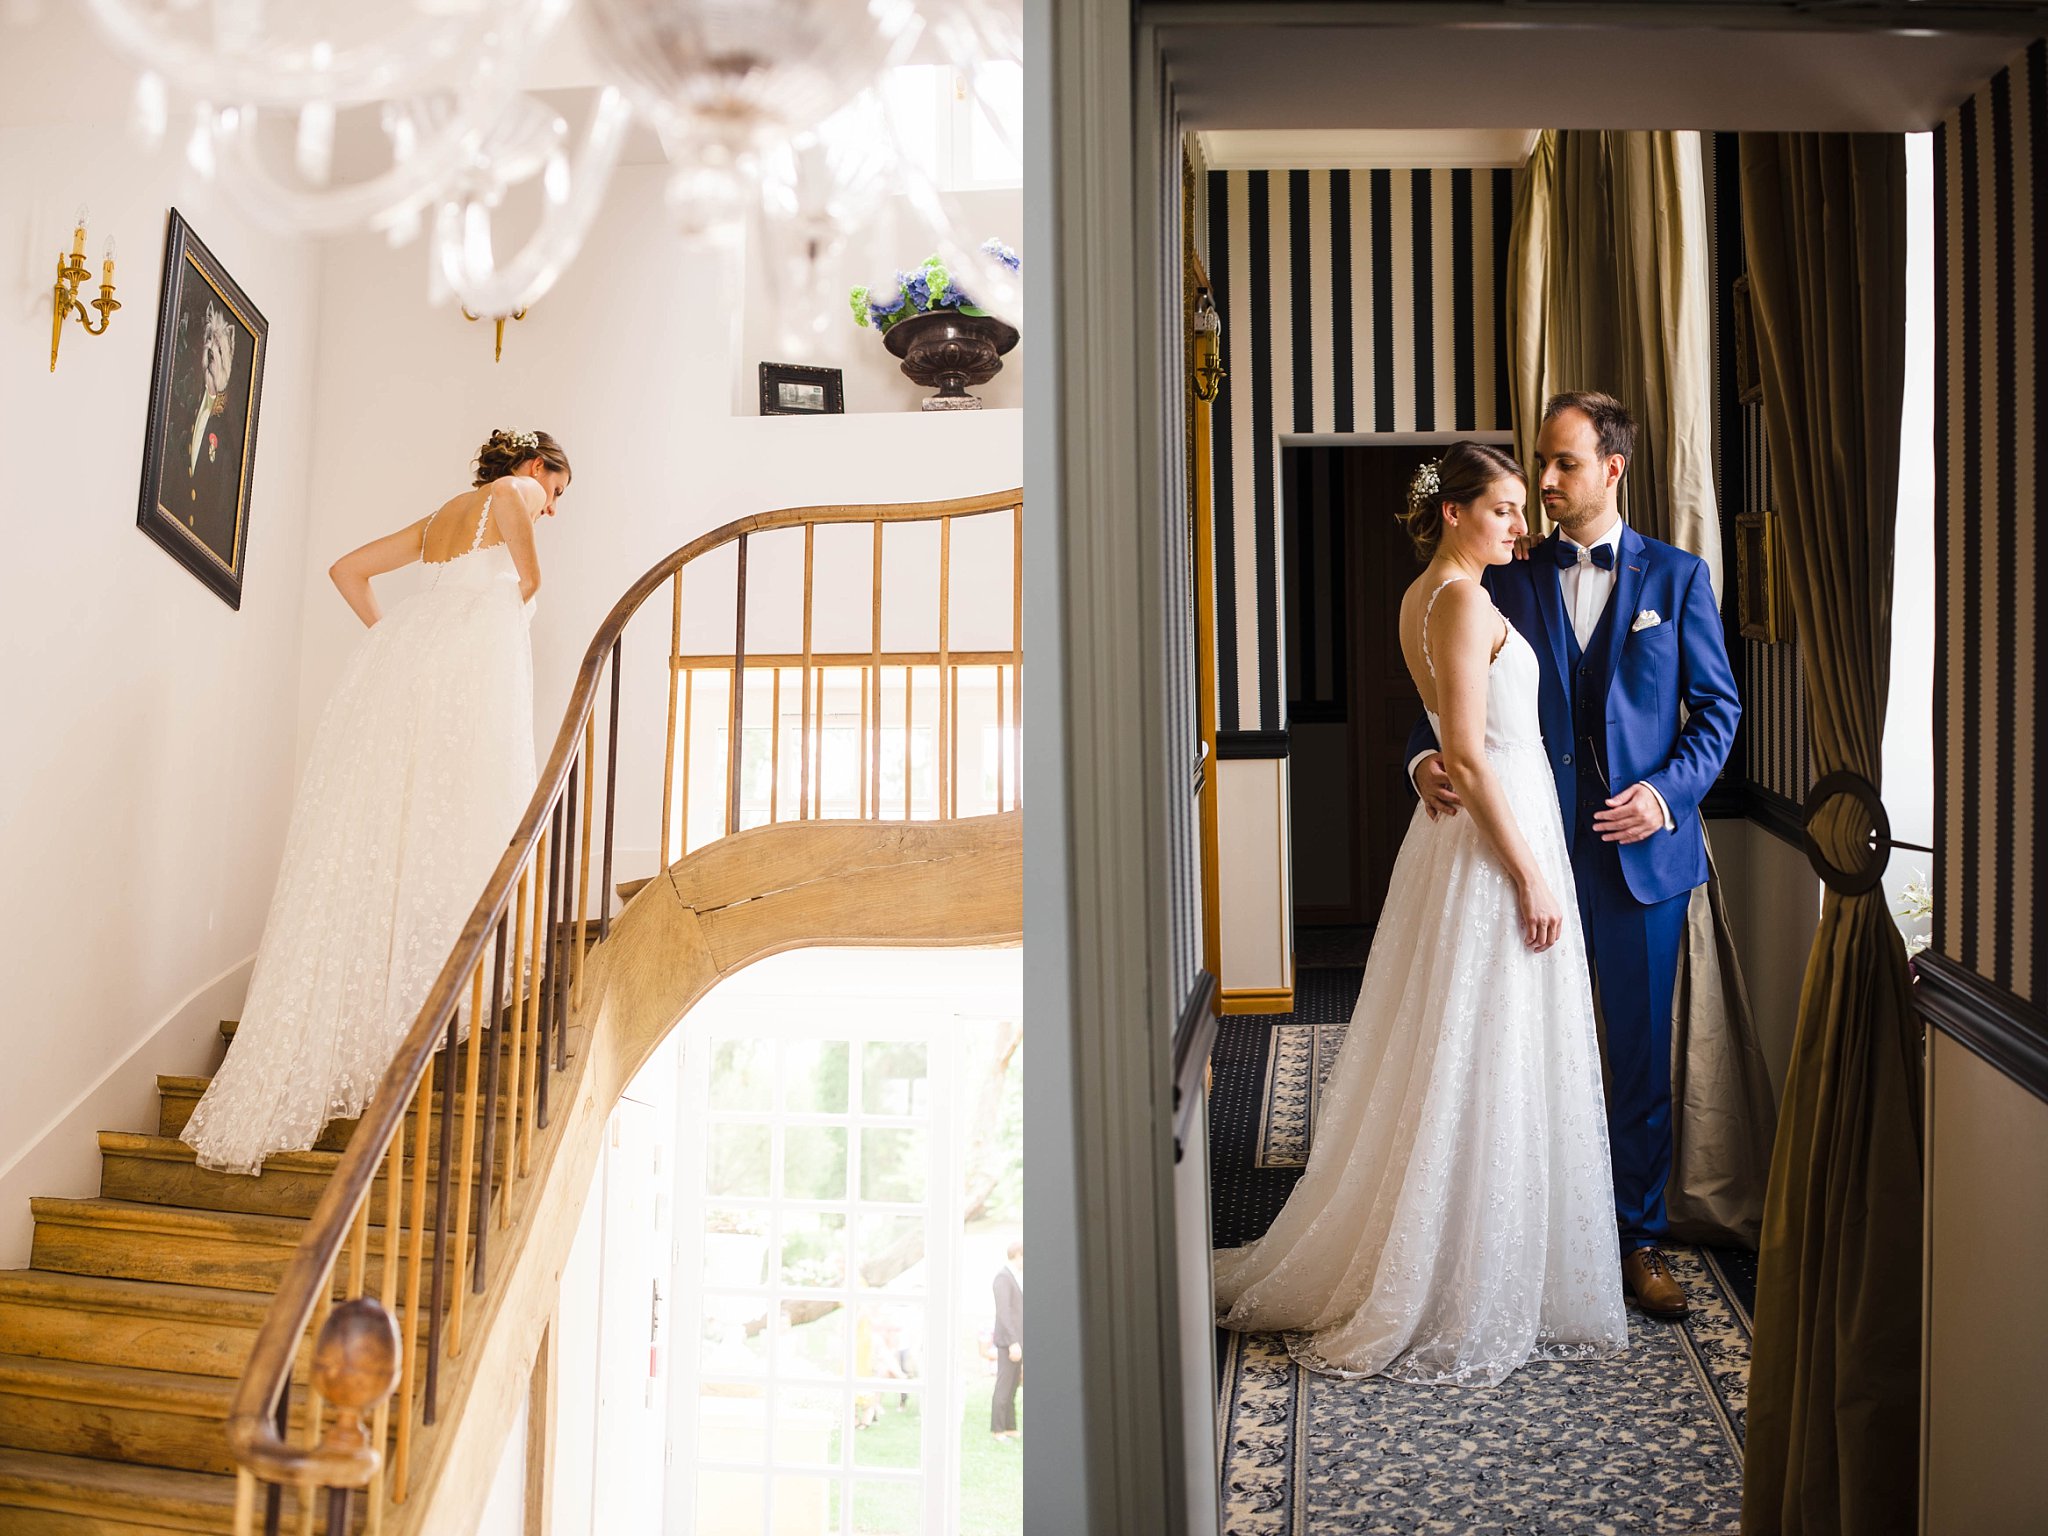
x: 1642, y: 676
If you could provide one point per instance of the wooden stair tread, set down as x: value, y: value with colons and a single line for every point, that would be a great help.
x: 165, y: 1391
x: 167, y: 1299
x: 114, y: 1487
x: 171, y: 1149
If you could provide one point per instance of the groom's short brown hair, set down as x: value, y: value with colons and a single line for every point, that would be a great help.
x: 1612, y: 424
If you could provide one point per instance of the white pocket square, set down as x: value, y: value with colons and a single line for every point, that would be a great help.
x: 1649, y: 618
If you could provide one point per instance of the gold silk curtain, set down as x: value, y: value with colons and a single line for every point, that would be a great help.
x: 1609, y: 290
x: 1834, y: 1387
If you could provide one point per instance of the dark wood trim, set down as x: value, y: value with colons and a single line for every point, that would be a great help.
x: 1726, y: 801
x: 2000, y: 1026
x: 1233, y: 745
x: 1194, y: 1033
x: 1777, y: 815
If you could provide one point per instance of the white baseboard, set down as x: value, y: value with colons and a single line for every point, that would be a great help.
x: 63, y: 1157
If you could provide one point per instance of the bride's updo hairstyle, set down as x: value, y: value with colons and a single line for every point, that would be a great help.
x: 503, y: 452
x: 1460, y: 476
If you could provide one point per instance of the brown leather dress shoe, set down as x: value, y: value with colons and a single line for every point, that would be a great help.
x: 1649, y: 1280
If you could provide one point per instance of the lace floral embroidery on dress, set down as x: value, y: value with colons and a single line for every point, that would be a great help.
x: 419, y: 770
x: 1456, y: 1216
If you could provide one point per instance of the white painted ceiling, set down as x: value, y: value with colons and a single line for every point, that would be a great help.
x: 1324, y: 84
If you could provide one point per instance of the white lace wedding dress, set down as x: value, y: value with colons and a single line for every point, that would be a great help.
x: 1456, y: 1217
x: 420, y: 768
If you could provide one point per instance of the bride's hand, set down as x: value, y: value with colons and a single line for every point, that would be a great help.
x: 1542, y: 918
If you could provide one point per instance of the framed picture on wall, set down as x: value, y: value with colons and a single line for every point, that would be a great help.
x: 790, y: 389
x: 204, y: 391
x: 1762, y: 606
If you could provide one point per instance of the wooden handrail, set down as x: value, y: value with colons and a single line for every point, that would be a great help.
x: 254, y: 1426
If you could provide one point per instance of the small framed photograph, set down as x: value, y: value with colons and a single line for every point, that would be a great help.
x: 204, y: 390
x: 791, y: 389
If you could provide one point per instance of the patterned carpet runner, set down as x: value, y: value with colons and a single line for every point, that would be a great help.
x: 1649, y: 1441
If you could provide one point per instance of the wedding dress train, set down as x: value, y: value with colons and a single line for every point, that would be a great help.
x: 1456, y: 1216
x: 420, y: 768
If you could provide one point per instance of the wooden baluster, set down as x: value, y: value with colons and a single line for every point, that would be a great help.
x: 469, y: 1076
x: 536, y: 1059
x: 518, y: 1113
x: 273, y: 1503
x: 775, y: 744
x: 909, y: 693
x: 409, y: 1321
x: 322, y: 1306
x: 611, y: 796
x: 245, y: 1502
x: 394, y: 1169
x: 941, y: 741
x: 561, y: 934
x: 861, y: 766
x: 874, y: 749
x: 803, y: 795
x: 442, y: 1194
x: 668, y: 760
x: 583, y: 864
x: 689, y: 707
x: 549, y: 1026
x: 953, y: 809
x: 487, y: 1152
x: 1016, y: 660
x: 736, y: 731
x: 359, y: 1246
x: 1002, y: 751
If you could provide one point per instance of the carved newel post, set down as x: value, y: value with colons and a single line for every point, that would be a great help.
x: 355, y: 1367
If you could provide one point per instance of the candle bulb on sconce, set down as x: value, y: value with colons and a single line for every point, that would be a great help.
x: 73, y: 274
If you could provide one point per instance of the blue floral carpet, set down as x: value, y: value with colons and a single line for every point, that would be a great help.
x: 1649, y: 1441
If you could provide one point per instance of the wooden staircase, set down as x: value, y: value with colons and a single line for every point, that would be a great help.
x: 121, y: 1343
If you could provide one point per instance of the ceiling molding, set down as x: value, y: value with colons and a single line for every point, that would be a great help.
x: 1363, y: 149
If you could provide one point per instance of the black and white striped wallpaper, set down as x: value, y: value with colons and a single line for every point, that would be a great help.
x: 1772, y: 754
x: 1991, y: 417
x: 1352, y: 301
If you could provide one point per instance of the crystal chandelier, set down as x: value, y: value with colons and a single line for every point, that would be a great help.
x: 768, y: 110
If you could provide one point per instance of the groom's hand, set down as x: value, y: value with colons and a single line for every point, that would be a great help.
x: 1433, y: 784
x: 1630, y: 816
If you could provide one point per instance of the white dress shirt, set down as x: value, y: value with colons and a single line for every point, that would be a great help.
x: 1585, y: 588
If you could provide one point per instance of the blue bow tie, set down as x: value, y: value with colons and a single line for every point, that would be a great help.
x: 1567, y: 554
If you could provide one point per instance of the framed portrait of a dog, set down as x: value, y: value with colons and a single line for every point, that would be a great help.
x: 207, y: 382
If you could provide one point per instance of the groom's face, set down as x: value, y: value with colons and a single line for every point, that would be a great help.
x: 1575, y: 481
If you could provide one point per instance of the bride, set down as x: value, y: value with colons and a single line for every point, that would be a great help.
x: 420, y: 768
x: 1456, y: 1216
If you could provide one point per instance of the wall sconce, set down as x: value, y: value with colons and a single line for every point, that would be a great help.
x: 1208, y: 372
x: 72, y: 272
x: 498, y: 352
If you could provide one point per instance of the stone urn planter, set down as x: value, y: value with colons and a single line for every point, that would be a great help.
x: 947, y: 350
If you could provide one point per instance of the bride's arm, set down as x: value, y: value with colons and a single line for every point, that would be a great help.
x: 516, y: 501
x: 352, y: 572
x: 1464, y: 631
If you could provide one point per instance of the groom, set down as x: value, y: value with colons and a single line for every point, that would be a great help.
x: 1627, y: 631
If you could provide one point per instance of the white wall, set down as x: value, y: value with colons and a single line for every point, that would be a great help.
x: 629, y: 361
x: 148, y: 771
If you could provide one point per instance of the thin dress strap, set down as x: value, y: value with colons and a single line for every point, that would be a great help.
x: 423, y: 531
x: 1427, y: 661
x: 483, y: 520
